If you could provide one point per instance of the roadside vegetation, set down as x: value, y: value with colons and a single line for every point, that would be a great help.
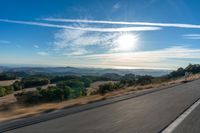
x: 70, y: 87
x: 66, y: 91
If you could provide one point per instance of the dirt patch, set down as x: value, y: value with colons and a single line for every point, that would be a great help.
x: 7, y: 82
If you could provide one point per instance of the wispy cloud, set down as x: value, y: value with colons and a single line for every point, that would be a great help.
x: 42, y: 53
x: 4, y: 42
x: 35, y: 46
x: 95, y: 29
x: 77, y: 52
x: 148, y: 59
x: 192, y: 36
x: 76, y: 42
x: 177, y: 25
x: 116, y: 6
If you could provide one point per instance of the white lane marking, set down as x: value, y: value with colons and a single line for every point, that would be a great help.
x: 178, y: 121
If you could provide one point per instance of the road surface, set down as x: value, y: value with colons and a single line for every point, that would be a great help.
x: 150, y: 113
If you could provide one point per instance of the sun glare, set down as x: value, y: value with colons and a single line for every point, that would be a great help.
x: 126, y: 42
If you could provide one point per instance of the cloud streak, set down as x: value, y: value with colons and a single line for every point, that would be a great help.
x: 94, y: 29
x: 35, y: 46
x: 4, y: 42
x: 161, y: 58
x: 176, y: 25
x: 42, y: 53
x: 178, y: 52
x: 116, y: 6
x: 192, y: 36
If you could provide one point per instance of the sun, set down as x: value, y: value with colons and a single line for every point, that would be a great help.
x: 126, y: 42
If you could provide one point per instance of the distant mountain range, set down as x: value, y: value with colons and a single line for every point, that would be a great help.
x: 81, y: 71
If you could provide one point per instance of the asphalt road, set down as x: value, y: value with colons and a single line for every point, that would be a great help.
x: 150, y: 113
x: 191, y: 124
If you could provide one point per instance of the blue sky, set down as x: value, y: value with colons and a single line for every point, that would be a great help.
x: 158, y: 34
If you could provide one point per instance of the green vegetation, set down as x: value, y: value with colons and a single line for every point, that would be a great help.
x: 66, y: 88
x: 105, y: 88
x: 5, y: 90
x: 2, y: 91
x: 77, y: 88
x: 7, y: 76
x: 17, y: 85
x: 193, y: 69
x: 44, y: 95
x: 62, y: 91
x: 69, y: 87
x: 131, y: 79
x: 34, y: 81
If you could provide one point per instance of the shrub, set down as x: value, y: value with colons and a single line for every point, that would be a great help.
x: 5, y: 90
x: 17, y: 86
x: 28, y: 97
x: 108, y: 87
x: 7, y: 76
x: 62, y: 78
x: 2, y: 91
x: 144, y: 80
x: 128, y: 80
x: 44, y: 95
x: 77, y: 87
x: 86, y: 81
x: 32, y: 82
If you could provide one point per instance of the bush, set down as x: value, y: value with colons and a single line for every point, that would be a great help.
x: 28, y: 97
x: 33, y: 82
x: 7, y: 76
x: 131, y: 79
x: 105, y: 88
x: 86, y: 81
x: 62, y: 78
x: 2, y: 91
x: 144, y: 80
x: 5, y: 90
x: 44, y: 95
x: 17, y: 86
x: 128, y: 80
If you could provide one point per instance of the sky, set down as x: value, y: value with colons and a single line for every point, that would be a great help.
x: 130, y: 34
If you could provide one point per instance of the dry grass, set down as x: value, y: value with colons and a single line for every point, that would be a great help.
x: 14, y: 110
x: 7, y: 82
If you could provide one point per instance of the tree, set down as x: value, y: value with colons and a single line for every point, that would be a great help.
x: 193, y: 68
x: 86, y: 81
